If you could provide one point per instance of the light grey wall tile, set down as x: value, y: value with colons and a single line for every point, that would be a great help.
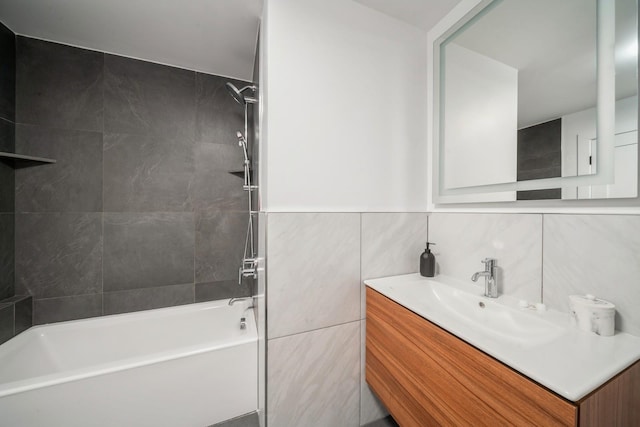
x: 73, y: 183
x: 66, y: 308
x: 515, y: 240
x: 58, y: 254
x: 314, y: 271
x: 58, y: 85
x: 148, y: 298
x: 391, y: 245
x: 143, y: 250
x: 145, y: 173
x: 595, y: 254
x: 371, y: 409
x: 313, y: 378
x: 220, y: 237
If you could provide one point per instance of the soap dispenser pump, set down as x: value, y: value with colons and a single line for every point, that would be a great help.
x: 428, y: 262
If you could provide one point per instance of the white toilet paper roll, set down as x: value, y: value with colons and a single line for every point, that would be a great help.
x: 592, y: 314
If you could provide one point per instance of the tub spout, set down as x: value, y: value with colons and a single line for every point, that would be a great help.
x: 234, y: 300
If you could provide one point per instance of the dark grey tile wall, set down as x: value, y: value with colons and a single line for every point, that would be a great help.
x: 143, y: 250
x: 7, y: 172
x: 142, y: 98
x: 58, y: 254
x: 58, y: 86
x: 7, y: 238
x: 139, y: 211
x: 7, y: 74
x: 6, y: 322
x: 540, y: 156
x: 73, y: 183
x: 16, y: 315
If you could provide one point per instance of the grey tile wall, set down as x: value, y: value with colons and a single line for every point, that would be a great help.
x: 314, y: 271
x: 58, y: 86
x: 147, y: 173
x: 73, y: 183
x: 143, y: 98
x: 16, y: 316
x: 7, y: 271
x: 139, y: 211
x: 148, y: 298
x: 147, y: 250
x: 391, y: 245
x: 218, y: 115
x: 7, y: 74
x: 50, y: 310
x: 582, y: 254
x: 595, y: 254
x: 58, y: 254
x: 7, y: 172
x: 515, y: 240
x: 6, y: 322
x: 220, y: 239
x: 313, y: 378
x: 315, y: 264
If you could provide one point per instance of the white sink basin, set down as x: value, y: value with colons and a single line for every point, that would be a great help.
x: 499, y: 320
x: 447, y: 303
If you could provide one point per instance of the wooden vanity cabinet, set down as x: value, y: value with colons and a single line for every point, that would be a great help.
x: 426, y: 376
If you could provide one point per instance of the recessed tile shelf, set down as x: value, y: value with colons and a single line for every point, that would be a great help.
x: 239, y: 174
x: 24, y: 158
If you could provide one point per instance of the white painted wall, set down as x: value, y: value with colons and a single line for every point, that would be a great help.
x: 578, y: 135
x: 480, y: 119
x: 344, y: 109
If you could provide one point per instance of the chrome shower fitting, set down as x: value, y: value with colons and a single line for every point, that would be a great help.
x: 239, y: 97
x: 249, y: 267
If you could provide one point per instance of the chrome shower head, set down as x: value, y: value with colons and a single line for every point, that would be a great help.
x: 238, y: 96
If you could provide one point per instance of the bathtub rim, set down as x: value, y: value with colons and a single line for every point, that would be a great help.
x: 49, y: 380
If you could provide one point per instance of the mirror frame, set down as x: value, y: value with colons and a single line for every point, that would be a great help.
x: 465, y: 11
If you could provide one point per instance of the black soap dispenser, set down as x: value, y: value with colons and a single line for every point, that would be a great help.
x: 428, y: 262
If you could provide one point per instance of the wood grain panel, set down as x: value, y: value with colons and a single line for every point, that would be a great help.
x: 617, y: 403
x: 425, y: 376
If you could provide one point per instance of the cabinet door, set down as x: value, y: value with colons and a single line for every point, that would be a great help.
x: 426, y: 376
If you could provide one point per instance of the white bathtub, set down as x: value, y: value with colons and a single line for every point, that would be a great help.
x: 181, y: 366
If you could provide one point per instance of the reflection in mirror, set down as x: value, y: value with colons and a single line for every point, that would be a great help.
x: 519, y: 93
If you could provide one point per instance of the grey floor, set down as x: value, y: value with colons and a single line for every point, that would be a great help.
x: 249, y: 420
x: 384, y: 422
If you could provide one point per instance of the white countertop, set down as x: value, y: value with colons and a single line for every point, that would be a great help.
x: 570, y: 362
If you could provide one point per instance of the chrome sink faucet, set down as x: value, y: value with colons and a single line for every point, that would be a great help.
x: 490, y: 274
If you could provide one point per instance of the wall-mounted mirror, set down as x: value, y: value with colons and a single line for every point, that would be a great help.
x: 538, y: 100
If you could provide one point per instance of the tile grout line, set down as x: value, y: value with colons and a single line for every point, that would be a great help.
x: 104, y: 74
x: 315, y: 329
